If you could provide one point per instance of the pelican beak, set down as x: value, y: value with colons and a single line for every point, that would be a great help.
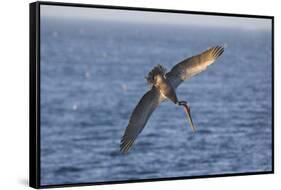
x: 187, y: 111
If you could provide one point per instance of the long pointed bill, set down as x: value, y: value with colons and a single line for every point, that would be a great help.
x: 187, y: 111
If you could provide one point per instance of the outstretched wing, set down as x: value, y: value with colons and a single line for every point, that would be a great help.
x: 193, y: 65
x: 139, y: 118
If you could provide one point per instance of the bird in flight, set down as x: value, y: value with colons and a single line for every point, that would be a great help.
x: 164, y: 87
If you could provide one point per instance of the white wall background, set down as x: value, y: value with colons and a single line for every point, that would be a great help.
x: 14, y: 73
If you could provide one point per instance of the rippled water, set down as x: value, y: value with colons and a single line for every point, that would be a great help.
x: 92, y: 76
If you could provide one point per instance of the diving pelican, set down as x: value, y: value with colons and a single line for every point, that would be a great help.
x: 163, y: 88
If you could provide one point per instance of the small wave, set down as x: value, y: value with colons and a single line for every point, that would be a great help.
x: 67, y: 169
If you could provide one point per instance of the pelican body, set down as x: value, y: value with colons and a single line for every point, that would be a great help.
x: 157, y: 78
x: 163, y: 87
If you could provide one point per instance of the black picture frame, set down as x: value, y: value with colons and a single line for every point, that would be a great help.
x: 34, y: 91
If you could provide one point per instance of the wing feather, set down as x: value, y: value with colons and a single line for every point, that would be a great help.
x: 139, y: 118
x: 193, y: 65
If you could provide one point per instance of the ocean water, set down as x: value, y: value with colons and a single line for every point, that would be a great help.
x: 92, y: 77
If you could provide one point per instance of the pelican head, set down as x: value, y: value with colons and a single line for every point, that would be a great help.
x: 156, y: 75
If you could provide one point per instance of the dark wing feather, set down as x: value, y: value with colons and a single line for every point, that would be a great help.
x: 139, y: 118
x: 193, y: 65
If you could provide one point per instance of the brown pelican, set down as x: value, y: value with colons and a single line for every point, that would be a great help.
x: 163, y: 88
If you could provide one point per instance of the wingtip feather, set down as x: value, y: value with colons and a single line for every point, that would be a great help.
x: 126, y: 145
x: 217, y: 51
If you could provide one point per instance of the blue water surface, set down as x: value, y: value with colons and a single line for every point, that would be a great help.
x: 92, y: 77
